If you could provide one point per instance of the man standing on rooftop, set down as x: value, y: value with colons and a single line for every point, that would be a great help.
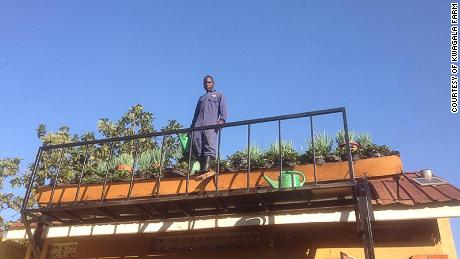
x: 211, y: 109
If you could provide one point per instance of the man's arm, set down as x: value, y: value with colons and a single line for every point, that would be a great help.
x: 195, y: 115
x: 222, y: 110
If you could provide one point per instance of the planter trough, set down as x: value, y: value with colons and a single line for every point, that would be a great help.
x: 228, y: 181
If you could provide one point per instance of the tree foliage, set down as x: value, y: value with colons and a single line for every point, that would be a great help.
x: 9, y: 167
x: 94, y: 162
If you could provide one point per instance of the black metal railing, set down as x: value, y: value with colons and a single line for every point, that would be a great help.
x: 111, y: 142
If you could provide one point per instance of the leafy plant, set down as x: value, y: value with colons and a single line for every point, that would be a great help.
x: 289, y: 155
x: 135, y: 121
x: 225, y: 165
x: 172, y: 147
x: 9, y: 168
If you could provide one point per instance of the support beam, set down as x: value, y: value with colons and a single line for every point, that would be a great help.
x: 366, y: 214
x: 109, y: 214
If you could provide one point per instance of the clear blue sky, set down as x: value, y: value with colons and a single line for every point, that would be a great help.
x: 74, y: 62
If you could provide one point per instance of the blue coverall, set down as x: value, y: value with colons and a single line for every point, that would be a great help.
x: 210, y: 108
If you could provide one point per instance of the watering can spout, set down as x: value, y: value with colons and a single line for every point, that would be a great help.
x: 272, y: 183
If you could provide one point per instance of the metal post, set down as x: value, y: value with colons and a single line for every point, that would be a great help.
x: 32, y: 178
x: 347, y: 141
x: 249, y: 158
x: 366, y: 215
x: 360, y: 203
x: 280, y: 153
x: 35, y: 248
x: 80, y: 178
x: 218, y: 160
x: 104, y: 186
x: 131, y: 182
x: 56, y: 178
x: 314, y: 152
x: 189, y: 162
x: 161, y: 165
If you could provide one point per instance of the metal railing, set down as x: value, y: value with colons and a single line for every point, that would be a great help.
x: 167, y: 134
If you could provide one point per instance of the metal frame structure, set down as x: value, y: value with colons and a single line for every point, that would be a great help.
x: 192, y: 204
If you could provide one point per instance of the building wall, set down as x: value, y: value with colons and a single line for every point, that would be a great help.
x: 448, y: 245
x: 12, y: 250
x: 393, y: 240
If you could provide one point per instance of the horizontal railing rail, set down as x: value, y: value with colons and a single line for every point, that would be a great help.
x: 167, y: 134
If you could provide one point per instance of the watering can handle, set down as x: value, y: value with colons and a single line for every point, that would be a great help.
x: 301, y: 174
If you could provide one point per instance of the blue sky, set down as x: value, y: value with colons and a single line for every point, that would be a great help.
x: 74, y: 62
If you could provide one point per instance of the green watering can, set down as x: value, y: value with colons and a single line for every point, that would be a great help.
x: 286, y: 179
x: 185, y: 144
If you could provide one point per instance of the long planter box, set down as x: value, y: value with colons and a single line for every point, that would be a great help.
x: 371, y: 167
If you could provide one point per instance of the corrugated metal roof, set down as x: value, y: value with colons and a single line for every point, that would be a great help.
x: 402, y: 189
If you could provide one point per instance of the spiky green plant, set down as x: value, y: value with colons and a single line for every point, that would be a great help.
x: 124, y: 159
x: 239, y: 160
x: 340, y: 137
x: 363, y: 139
x: 149, y: 162
x: 323, y: 146
x: 289, y: 155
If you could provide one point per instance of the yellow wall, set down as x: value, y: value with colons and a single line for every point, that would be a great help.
x: 447, y: 240
x: 11, y: 250
x: 393, y: 240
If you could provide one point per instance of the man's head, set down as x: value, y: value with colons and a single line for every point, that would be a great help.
x: 208, y: 83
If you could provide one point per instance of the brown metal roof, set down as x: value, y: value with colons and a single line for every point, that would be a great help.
x: 402, y: 189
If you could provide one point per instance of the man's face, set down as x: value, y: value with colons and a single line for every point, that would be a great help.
x: 208, y: 84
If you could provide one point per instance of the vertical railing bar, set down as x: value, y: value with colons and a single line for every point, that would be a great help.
x: 57, y: 176
x: 131, y: 182
x: 280, y: 153
x: 32, y: 178
x: 104, y: 186
x: 161, y: 165
x: 80, y: 178
x: 347, y: 141
x: 249, y: 158
x: 218, y: 160
x: 314, y: 152
x: 292, y: 182
x: 359, y: 219
x: 189, y: 163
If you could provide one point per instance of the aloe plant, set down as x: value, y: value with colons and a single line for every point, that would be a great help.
x: 239, y: 160
x: 149, y: 162
x: 364, y: 140
x: 124, y: 159
x: 340, y: 137
x: 290, y: 156
x: 323, y: 146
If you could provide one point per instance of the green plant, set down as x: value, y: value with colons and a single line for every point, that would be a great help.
x: 123, y: 166
x: 225, y: 165
x: 340, y: 137
x: 124, y: 159
x: 239, y: 160
x: 323, y: 146
x: 289, y: 155
x: 149, y: 162
x: 364, y: 140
